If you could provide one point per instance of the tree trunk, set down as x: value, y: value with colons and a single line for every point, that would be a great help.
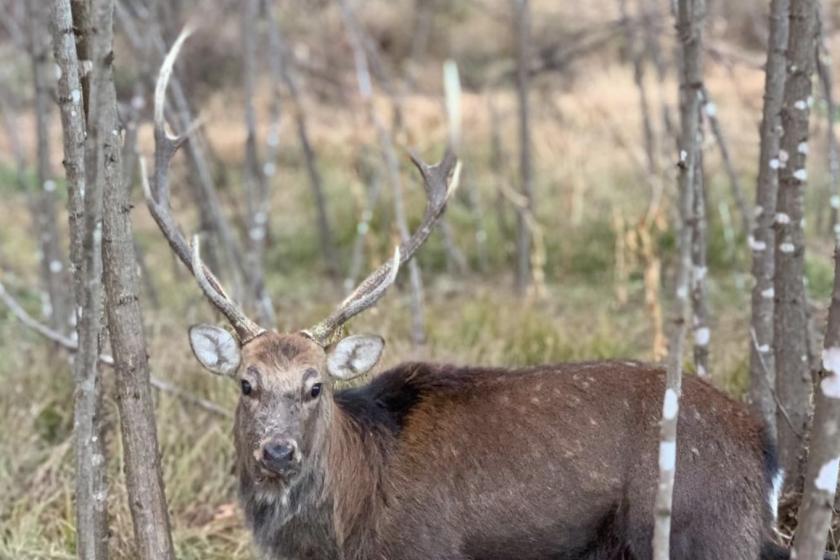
x: 84, y: 206
x: 814, y: 519
x: 790, y: 323
x: 389, y: 157
x: 690, y: 16
x: 699, y: 297
x: 256, y: 182
x: 523, y: 234
x: 285, y: 61
x: 125, y: 322
x: 762, y: 240
x: 53, y: 272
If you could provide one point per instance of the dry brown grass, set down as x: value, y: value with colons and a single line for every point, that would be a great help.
x: 582, y: 174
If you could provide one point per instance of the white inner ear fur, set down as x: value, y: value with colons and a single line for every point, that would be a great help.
x: 215, y: 348
x: 354, y: 355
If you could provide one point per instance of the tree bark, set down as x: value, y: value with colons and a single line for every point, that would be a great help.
x: 389, y: 157
x: 84, y: 206
x: 523, y: 234
x: 690, y: 17
x: 144, y: 480
x: 285, y: 62
x: 832, y: 148
x: 710, y: 110
x: 790, y: 323
x: 256, y: 182
x: 53, y: 272
x: 699, y: 269
x: 762, y: 240
x: 814, y: 519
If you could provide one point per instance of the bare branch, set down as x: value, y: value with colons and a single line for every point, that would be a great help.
x: 72, y: 345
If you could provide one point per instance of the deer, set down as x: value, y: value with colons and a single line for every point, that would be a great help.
x: 435, y: 461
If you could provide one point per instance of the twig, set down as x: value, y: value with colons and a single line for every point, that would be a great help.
x: 72, y: 346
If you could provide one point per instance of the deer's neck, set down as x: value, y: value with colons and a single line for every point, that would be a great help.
x: 327, y: 511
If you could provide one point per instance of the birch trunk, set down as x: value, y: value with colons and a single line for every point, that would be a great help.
x: 762, y: 240
x: 690, y: 17
x: 814, y: 519
x: 790, y: 323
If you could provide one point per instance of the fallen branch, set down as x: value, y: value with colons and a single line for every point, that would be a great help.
x: 72, y: 346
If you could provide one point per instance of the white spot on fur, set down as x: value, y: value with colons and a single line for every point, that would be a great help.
x: 782, y: 218
x: 801, y: 105
x: 755, y: 245
x: 827, y: 478
x: 786, y: 247
x: 800, y: 175
x: 667, y: 455
x: 769, y: 293
x: 774, y: 164
x: 802, y: 148
x: 831, y: 359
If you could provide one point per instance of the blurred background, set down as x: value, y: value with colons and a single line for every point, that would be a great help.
x: 339, y: 97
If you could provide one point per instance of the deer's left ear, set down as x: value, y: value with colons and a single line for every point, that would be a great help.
x: 354, y: 355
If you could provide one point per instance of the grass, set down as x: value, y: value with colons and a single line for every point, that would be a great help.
x: 581, y: 175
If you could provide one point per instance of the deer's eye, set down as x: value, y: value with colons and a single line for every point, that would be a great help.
x: 246, y: 387
x: 315, y: 391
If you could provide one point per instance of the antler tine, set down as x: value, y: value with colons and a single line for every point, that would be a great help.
x: 157, y: 200
x: 245, y: 327
x: 439, y: 182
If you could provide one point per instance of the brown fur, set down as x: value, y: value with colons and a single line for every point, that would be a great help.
x: 552, y: 462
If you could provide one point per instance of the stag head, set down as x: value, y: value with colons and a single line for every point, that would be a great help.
x: 286, y: 380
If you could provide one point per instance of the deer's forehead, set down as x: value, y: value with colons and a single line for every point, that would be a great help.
x: 276, y: 354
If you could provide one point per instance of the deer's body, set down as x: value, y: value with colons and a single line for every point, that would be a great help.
x: 551, y: 462
x: 434, y: 462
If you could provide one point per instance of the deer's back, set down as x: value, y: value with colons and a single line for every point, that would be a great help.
x: 490, y: 460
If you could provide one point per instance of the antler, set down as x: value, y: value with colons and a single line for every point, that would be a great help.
x: 439, y: 181
x: 157, y: 199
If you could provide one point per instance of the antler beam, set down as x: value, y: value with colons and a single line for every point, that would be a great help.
x: 439, y: 182
x: 157, y: 199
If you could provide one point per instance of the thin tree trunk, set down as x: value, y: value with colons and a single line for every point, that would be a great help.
x: 790, y: 323
x: 53, y: 272
x: 762, y: 240
x: 389, y: 156
x: 690, y: 17
x: 256, y: 182
x: 144, y: 480
x: 284, y: 59
x: 814, y: 519
x: 832, y: 149
x: 149, y: 42
x: 699, y: 297
x: 710, y: 110
x: 523, y: 234
x: 84, y: 207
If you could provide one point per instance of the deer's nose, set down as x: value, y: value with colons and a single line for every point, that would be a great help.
x: 279, y: 454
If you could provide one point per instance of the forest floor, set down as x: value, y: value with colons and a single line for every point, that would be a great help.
x: 587, y: 176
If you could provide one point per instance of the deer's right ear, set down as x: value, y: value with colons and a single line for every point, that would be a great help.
x: 215, y: 348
